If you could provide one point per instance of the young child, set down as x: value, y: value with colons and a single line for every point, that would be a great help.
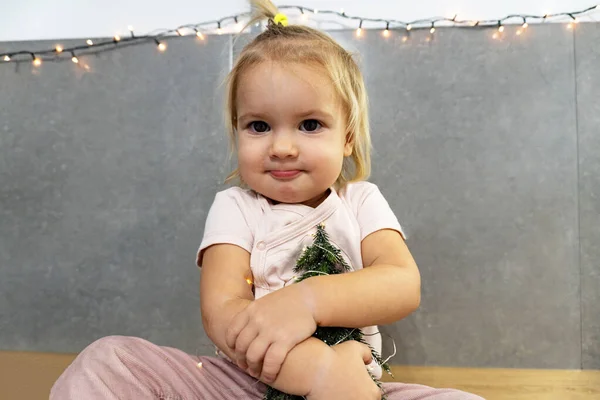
x: 297, y: 110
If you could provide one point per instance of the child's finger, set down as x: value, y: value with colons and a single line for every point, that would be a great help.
x: 235, y: 327
x: 274, y: 358
x: 256, y: 354
x: 367, y: 356
x: 243, y: 342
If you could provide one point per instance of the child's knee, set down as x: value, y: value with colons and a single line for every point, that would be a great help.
x: 107, y: 347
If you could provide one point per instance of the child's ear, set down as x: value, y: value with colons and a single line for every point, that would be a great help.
x: 349, y: 145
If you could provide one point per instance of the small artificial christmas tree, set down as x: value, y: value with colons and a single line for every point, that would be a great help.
x: 323, y: 258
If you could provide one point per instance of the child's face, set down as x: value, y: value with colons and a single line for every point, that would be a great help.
x: 291, y: 132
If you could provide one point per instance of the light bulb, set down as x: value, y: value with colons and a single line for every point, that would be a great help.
x: 386, y: 32
x: 7, y: 58
x: 75, y: 60
x: 359, y: 32
x: 59, y: 49
x: 199, y: 365
x: 316, y: 11
x: 162, y: 46
x: 501, y: 28
x: 200, y: 35
x: 89, y: 42
x: 179, y: 32
x: 408, y: 27
x: 37, y: 62
x: 525, y: 25
x: 117, y: 38
x: 432, y: 30
x: 130, y: 28
x: 219, y: 31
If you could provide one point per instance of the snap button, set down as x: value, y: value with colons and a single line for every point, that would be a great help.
x: 261, y: 245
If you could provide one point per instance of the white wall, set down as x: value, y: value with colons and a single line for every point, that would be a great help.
x: 42, y: 19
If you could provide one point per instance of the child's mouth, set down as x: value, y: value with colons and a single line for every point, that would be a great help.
x: 285, y: 174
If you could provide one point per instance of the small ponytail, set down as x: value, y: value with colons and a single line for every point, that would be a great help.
x: 263, y: 9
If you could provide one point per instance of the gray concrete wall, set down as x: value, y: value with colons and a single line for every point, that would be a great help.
x: 487, y: 150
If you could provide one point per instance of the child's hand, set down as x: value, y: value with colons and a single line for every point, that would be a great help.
x: 267, y: 329
x: 346, y: 376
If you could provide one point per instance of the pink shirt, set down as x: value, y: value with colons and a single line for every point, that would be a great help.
x: 275, y: 234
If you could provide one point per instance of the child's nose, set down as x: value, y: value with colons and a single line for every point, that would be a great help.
x: 283, y: 145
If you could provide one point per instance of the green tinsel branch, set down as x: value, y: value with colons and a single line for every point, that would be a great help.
x: 323, y: 258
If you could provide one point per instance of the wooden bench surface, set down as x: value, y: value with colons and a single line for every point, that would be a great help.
x: 30, y: 375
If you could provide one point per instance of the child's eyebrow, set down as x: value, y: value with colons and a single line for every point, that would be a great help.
x: 252, y: 115
x: 315, y: 112
x: 303, y: 114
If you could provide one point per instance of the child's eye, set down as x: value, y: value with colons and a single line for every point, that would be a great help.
x: 310, y: 125
x: 259, y: 126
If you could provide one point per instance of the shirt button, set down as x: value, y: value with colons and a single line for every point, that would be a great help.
x: 261, y: 245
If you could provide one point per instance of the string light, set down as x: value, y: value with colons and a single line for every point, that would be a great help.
x: 161, y: 46
x: 304, y: 16
x: 37, y: 61
x: 74, y: 58
x: 386, y: 32
x: 238, y: 24
x: 431, y: 24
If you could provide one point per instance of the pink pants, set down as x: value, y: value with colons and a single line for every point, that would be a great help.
x: 120, y: 368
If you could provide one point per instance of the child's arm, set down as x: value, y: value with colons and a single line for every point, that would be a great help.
x: 225, y: 292
x: 386, y: 290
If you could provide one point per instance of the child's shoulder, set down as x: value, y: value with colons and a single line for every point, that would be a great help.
x: 235, y: 195
x: 355, y: 191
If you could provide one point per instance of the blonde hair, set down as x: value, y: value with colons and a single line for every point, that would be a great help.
x: 302, y: 44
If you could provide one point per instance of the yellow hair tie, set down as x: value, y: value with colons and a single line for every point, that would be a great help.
x: 281, y: 19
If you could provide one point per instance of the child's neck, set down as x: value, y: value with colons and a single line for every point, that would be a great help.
x: 314, y: 202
